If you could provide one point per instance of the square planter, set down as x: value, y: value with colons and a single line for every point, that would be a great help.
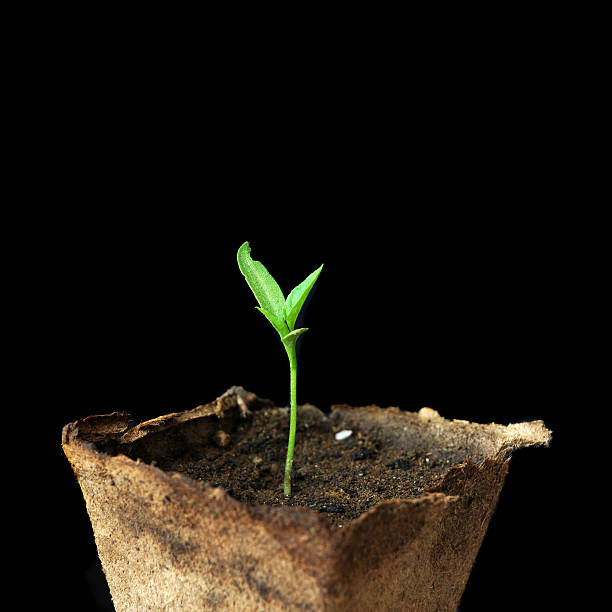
x: 169, y: 542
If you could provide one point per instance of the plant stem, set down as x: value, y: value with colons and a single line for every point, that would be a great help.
x: 290, y: 348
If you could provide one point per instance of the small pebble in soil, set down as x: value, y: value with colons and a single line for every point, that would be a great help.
x: 222, y: 439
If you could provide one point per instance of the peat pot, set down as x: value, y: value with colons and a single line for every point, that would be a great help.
x: 398, y: 511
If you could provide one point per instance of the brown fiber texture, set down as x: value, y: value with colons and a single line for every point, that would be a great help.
x: 170, y: 543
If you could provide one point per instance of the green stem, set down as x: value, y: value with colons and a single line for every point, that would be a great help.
x: 290, y: 348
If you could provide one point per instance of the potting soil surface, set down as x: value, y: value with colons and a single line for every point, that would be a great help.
x: 338, y: 478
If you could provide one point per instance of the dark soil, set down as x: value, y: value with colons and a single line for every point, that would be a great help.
x: 339, y: 478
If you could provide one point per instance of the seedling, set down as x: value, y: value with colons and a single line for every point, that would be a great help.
x: 282, y: 314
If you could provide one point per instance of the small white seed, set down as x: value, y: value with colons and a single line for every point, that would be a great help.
x: 344, y: 434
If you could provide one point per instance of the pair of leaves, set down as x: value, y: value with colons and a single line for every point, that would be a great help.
x: 281, y: 313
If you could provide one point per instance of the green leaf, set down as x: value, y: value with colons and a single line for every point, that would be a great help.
x: 291, y: 337
x: 296, y: 299
x: 262, y: 284
x: 278, y: 324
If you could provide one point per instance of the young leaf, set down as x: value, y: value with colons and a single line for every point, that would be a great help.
x: 278, y: 324
x: 296, y: 299
x: 291, y: 337
x: 261, y: 282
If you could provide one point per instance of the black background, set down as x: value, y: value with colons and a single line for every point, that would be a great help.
x: 451, y: 243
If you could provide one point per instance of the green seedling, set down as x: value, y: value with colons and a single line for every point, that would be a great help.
x: 282, y: 314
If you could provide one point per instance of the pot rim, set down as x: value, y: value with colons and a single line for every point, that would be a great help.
x: 83, y: 434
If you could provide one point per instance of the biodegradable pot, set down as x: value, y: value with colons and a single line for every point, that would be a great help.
x: 168, y: 542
